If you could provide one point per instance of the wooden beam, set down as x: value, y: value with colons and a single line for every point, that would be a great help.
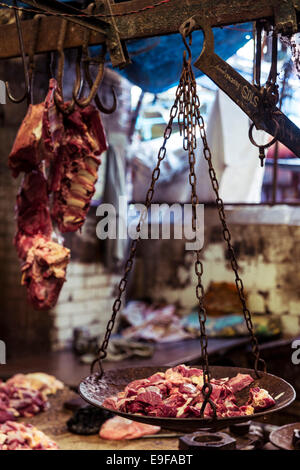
x: 162, y: 20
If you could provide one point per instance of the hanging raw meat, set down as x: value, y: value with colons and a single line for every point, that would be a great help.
x: 28, y: 150
x: 44, y: 272
x: 33, y: 214
x: 76, y: 147
x: 59, y: 154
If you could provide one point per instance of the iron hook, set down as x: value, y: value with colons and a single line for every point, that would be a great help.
x: 94, y: 85
x: 59, y: 100
x: 27, y: 92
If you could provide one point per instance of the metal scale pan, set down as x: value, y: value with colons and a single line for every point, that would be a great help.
x: 95, y: 391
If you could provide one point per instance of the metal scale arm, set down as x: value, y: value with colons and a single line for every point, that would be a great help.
x: 248, y: 97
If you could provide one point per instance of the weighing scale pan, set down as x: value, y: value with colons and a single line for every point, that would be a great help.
x: 95, y: 391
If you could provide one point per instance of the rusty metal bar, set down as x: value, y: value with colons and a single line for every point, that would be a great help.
x: 162, y: 20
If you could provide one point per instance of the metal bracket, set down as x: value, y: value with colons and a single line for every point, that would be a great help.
x: 248, y: 97
x: 117, y: 49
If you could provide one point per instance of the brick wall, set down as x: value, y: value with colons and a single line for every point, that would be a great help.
x: 85, y: 300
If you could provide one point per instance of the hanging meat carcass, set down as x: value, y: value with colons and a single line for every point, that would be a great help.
x: 45, y: 261
x: 59, y: 154
x: 77, y: 141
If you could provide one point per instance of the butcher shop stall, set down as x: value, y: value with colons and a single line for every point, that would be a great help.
x: 150, y: 226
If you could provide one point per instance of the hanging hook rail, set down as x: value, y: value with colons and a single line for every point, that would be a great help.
x: 27, y: 91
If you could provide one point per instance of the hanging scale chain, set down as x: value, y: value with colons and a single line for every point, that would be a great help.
x: 189, y: 118
x: 129, y: 263
x: 221, y: 211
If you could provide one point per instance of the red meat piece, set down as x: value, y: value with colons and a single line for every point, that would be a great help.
x: 239, y: 382
x: 150, y: 395
x: 33, y: 215
x: 26, y: 153
x: 119, y: 428
x: 76, y: 141
x: 44, y: 272
x: 260, y: 399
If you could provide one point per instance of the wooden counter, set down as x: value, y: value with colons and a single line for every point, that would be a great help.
x: 67, y: 367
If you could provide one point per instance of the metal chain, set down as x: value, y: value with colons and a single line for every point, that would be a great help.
x: 187, y: 118
x: 129, y: 263
x: 227, y: 237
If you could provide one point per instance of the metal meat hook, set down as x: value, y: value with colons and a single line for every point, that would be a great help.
x: 59, y: 100
x: 26, y: 93
x: 93, y: 86
x: 266, y: 116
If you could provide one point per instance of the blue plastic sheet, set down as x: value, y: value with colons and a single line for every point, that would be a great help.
x: 156, y: 62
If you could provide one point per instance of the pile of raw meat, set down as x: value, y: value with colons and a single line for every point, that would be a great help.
x: 20, y: 436
x: 59, y: 155
x: 26, y: 395
x: 176, y: 393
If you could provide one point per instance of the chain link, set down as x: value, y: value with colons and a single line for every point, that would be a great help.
x: 227, y: 237
x: 129, y: 263
x: 187, y: 117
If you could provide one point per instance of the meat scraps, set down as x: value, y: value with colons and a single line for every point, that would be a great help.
x: 20, y: 436
x: 118, y: 428
x: 20, y: 401
x: 44, y: 383
x: 44, y: 272
x: 60, y: 157
x: 26, y: 395
x: 177, y: 393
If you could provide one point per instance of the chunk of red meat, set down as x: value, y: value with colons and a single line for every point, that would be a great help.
x: 136, y: 407
x: 44, y: 272
x: 33, y: 215
x: 187, y: 371
x: 111, y: 403
x: 157, y: 378
x: 239, y: 382
x: 176, y: 400
x: 151, y: 395
x: 77, y: 147
x: 26, y: 152
x: 260, y: 399
x: 163, y: 411
x: 136, y: 384
x: 52, y: 123
x: 119, y: 428
x: 187, y: 388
